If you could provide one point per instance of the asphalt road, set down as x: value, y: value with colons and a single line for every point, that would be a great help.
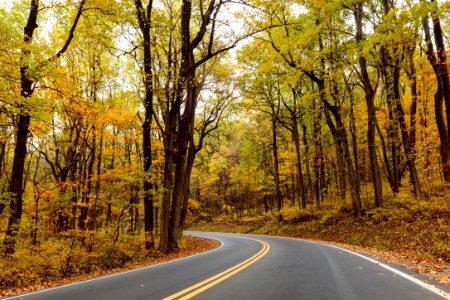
x: 255, y: 267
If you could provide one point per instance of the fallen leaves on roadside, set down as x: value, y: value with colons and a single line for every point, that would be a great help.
x: 194, y: 245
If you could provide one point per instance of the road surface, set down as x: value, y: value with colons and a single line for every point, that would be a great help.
x: 255, y: 267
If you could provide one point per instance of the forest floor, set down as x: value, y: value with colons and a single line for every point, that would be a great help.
x: 407, y: 232
x: 23, y: 283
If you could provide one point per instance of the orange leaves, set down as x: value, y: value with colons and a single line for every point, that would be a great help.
x: 29, y: 271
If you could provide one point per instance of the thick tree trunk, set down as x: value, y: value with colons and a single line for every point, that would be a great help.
x: 178, y: 189
x: 148, y: 186
x: 443, y: 91
x: 20, y: 151
x: 190, y: 163
x: 188, y: 82
x: 16, y: 185
x: 27, y: 86
x: 165, y: 202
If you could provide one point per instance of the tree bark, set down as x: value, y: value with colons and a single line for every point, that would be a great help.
x: 186, y: 119
x: 387, y: 71
x: 27, y: 88
x: 318, y: 156
x: 144, y: 17
x: 413, y: 108
x: 189, y: 164
x: 20, y: 150
x: 442, y: 94
x: 371, y: 121
x: 309, y: 190
x: 278, y: 197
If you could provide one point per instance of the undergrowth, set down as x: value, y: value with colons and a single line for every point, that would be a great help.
x: 402, y: 224
x: 77, y: 254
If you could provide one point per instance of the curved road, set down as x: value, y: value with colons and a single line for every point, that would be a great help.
x: 255, y: 267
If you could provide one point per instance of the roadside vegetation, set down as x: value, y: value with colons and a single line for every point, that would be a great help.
x: 407, y: 231
x: 80, y: 257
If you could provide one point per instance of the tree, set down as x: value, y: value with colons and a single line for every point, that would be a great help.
x: 438, y: 61
x: 144, y: 16
x: 370, y: 98
x: 28, y: 80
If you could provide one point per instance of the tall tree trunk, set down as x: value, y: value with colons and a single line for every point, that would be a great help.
x: 189, y: 164
x: 144, y: 17
x: 186, y: 121
x: 27, y: 87
x: 391, y: 67
x: 179, y: 182
x: 16, y: 185
x: 95, y: 210
x: 353, y: 132
x: 278, y: 197
x: 20, y: 150
x: 404, y: 130
x: 318, y: 156
x: 371, y: 120
x: 3, y: 155
x: 87, y: 190
x: 413, y: 108
x: 168, y: 190
x: 184, y: 135
x: 341, y: 176
x: 309, y: 189
x: 2, y: 159
x: 393, y: 137
x: 341, y: 140
x: 387, y: 168
x: 300, y: 179
x: 442, y: 94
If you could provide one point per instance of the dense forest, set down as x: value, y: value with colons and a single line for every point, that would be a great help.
x: 123, y: 122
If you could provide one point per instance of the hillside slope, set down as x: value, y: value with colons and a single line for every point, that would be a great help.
x: 410, y: 232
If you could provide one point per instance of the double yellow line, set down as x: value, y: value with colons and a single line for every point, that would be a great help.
x: 202, y: 286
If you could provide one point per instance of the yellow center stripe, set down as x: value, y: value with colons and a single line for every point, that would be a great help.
x: 200, y: 287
